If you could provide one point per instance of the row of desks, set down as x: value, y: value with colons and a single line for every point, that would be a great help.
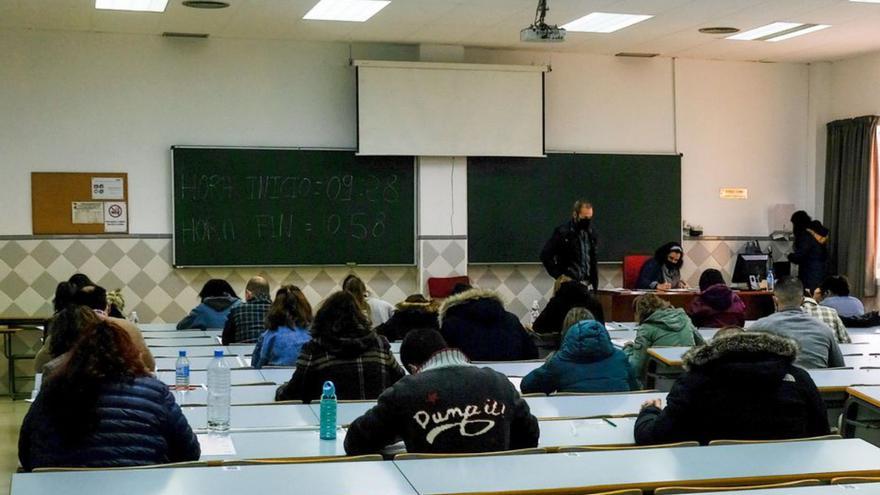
x: 294, y: 415
x: 560, y: 473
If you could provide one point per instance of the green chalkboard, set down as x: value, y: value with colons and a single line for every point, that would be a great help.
x: 263, y: 207
x: 515, y: 203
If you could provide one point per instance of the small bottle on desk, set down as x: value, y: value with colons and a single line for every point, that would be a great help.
x: 328, y: 411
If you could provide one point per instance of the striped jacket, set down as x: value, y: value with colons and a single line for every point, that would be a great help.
x: 361, y: 367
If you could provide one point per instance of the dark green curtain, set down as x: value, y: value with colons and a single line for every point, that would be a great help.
x: 851, y: 200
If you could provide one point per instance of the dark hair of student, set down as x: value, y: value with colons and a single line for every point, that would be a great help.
x: 64, y: 292
x: 216, y: 287
x: 289, y: 309
x: 356, y: 287
x: 92, y: 296
x: 459, y: 288
x: 800, y: 221
x: 789, y: 291
x: 79, y: 280
x: 104, y: 354
x: 836, y: 285
x: 419, y: 345
x: 340, y: 316
x: 710, y: 277
x: 67, y: 326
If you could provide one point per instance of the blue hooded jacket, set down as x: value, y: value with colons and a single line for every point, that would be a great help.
x: 587, y: 361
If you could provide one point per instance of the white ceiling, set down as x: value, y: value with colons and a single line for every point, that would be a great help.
x: 495, y: 23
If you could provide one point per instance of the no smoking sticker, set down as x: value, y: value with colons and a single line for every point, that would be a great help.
x: 115, y: 217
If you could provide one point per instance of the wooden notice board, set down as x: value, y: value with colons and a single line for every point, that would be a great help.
x: 53, y: 195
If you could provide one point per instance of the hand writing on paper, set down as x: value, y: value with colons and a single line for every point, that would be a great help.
x: 653, y: 403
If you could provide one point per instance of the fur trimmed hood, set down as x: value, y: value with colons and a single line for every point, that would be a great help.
x: 739, y: 344
x: 466, y: 297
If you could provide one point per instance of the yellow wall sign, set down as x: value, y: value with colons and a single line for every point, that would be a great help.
x: 734, y: 193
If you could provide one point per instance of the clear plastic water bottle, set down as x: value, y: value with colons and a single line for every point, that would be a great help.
x: 181, y: 371
x: 133, y: 317
x: 771, y: 280
x: 328, y: 411
x: 534, y: 312
x: 219, y: 377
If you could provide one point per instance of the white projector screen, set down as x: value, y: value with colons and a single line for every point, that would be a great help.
x: 433, y: 109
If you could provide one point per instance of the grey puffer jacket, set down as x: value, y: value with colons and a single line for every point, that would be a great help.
x: 139, y: 424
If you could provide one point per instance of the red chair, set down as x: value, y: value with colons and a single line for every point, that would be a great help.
x: 632, y: 265
x: 440, y: 287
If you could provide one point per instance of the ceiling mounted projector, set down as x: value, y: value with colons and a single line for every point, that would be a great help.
x: 541, y: 32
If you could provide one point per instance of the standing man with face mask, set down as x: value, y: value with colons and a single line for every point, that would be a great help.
x: 571, y: 253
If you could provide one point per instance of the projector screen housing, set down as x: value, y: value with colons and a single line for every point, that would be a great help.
x: 439, y: 109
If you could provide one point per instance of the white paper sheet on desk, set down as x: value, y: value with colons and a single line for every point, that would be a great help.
x: 215, y: 444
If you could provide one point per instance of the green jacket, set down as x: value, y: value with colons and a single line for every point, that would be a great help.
x: 669, y: 327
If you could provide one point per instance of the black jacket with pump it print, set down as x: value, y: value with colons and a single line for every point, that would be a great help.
x: 450, y: 407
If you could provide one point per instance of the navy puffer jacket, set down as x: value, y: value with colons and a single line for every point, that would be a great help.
x: 139, y: 424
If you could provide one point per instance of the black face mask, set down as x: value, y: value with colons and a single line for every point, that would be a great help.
x: 584, y: 224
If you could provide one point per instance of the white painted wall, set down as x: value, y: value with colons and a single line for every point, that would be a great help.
x: 442, y: 196
x: 819, y: 115
x: 76, y: 101
x: 855, y: 86
x: 741, y: 124
x: 600, y: 104
x: 101, y: 102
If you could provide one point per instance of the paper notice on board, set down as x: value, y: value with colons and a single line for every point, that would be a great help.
x: 115, y: 217
x: 87, y: 212
x: 108, y: 188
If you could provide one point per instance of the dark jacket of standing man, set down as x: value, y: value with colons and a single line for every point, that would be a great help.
x: 571, y: 252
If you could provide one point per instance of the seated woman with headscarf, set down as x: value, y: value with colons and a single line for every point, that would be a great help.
x: 663, y: 271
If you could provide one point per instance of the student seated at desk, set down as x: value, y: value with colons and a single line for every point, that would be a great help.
x: 95, y: 297
x: 64, y: 330
x: 447, y: 405
x: 414, y: 312
x: 377, y: 310
x: 247, y: 321
x: 288, y: 324
x: 741, y: 386
x: 345, y: 351
x: 218, y: 299
x: 568, y: 295
x: 660, y: 325
x: 587, y: 362
x: 817, y: 342
x: 102, y: 408
x: 476, y: 322
x: 716, y: 306
x: 663, y: 271
x: 834, y: 293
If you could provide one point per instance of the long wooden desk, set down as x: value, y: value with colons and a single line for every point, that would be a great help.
x: 646, y: 468
x: 241, y: 395
x: 363, y: 478
x: 258, y: 417
x: 860, y: 489
x: 304, y: 442
x: 199, y: 363
x: 861, y: 414
x: 246, y: 376
x: 618, y: 305
x: 185, y: 342
x: 181, y: 334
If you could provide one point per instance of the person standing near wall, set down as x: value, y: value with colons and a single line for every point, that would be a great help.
x: 570, y: 254
x: 810, y: 251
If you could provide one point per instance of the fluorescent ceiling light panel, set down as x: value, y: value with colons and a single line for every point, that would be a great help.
x: 133, y: 5
x: 764, y: 31
x: 345, y: 10
x: 807, y: 30
x: 604, y: 22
